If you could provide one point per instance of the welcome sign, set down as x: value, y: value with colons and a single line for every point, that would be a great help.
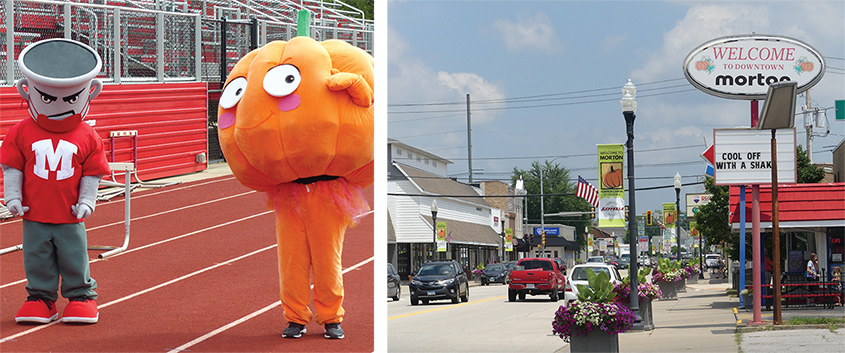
x: 743, y: 66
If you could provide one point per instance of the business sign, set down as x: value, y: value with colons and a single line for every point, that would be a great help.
x: 549, y: 231
x: 744, y: 156
x: 743, y: 66
x: 611, y: 212
x: 694, y: 201
x: 508, y: 239
x: 441, y: 236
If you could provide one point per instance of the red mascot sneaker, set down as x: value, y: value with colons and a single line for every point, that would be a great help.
x: 81, y: 310
x: 37, y: 311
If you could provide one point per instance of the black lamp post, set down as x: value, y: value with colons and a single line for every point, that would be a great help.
x: 629, y: 110
x: 434, y: 227
x: 677, y: 214
x: 503, y: 241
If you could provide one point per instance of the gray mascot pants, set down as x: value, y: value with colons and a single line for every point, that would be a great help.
x: 51, y: 251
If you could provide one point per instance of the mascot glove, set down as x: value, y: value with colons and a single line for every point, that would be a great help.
x: 81, y: 210
x: 16, y: 208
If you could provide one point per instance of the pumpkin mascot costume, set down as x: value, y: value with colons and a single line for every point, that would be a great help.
x: 296, y: 121
x: 52, y: 165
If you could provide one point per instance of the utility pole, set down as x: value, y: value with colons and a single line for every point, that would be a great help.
x: 809, y: 120
x: 469, y: 141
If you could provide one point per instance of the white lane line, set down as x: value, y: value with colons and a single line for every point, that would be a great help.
x: 18, y: 219
x: 252, y: 315
x: 130, y: 250
x: 38, y: 328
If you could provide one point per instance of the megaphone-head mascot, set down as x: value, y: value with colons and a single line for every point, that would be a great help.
x: 296, y: 121
x: 52, y: 165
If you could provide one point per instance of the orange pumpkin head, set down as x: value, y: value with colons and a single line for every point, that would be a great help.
x: 296, y: 110
x: 701, y: 65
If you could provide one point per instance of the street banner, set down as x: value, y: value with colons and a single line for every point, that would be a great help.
x: 441, y: 236
x: 669, y: 214
x: 508, y: 239
x: 611, y: 211
x: 693, y: 230
x: 589, y: 242
x: 603, y: 245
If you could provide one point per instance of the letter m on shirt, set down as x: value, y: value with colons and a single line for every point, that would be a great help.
x: 49, y: 160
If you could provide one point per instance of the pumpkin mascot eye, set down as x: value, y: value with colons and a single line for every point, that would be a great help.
x: 282, y: 80
x: 233, y: 92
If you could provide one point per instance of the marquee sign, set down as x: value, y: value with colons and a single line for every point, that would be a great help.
x: 743, y: 66
x: 744, y: 156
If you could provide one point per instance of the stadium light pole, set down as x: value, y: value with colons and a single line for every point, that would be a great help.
x: 434, y: 228
x: 629, y: 111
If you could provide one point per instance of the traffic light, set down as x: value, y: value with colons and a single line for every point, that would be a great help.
x: 626, y: 213
x: 544, y: 238
x: 648, y: 218
x: 592, y: 212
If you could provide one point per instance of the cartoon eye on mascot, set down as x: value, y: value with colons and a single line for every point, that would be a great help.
x: 52, y: 165
x: 296, y: 121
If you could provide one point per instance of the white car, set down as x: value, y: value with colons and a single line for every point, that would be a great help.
x: 712, y: 260
x: 578, y: 275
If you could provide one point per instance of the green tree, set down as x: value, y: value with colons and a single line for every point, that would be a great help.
x: 363, y: 5
x: 556, y: 180
x: 807, y: 173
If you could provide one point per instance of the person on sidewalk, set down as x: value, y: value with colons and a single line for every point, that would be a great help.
x: 52, y: 165
x: 812, y: 273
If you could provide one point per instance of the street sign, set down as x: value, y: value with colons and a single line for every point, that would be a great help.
x: 744, y: 156
x: 840, y: 110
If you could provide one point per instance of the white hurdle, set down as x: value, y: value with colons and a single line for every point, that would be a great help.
x: 128, y: 168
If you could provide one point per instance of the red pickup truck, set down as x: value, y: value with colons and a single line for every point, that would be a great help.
x: 536, y: 276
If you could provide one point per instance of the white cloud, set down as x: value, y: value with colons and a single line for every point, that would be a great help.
x: 611, y: 42
x: 528, y: 32
x: 701, y: 23
x: 411, y: 80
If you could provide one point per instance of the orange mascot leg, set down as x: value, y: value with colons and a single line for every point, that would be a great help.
x: 310, y: 224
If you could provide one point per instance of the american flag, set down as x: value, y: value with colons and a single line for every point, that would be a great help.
x: 660, y: 224
x: 587, y: 192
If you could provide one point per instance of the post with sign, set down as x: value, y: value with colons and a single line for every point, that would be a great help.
x: 742, y: 67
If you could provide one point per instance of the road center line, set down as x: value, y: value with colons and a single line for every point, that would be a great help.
x: 158, y: 243
x: 38, y: 328
x: 444, y: 308
x: 252, y: 315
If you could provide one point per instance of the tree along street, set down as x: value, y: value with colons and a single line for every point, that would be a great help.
x: 487, y: 323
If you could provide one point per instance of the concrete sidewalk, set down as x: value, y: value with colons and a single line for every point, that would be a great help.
x: 702, y: 320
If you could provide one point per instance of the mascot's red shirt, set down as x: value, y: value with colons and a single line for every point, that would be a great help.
x: 52, y: 165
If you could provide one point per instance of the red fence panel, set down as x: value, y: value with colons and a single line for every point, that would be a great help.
x: 170, y: 119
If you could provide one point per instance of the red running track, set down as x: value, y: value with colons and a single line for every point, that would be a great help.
x: 200, y: 275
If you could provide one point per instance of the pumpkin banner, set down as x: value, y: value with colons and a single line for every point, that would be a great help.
x: 611, y: 186
x: 441, y: 236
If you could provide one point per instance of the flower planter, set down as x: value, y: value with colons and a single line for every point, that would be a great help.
x: 668, y: 289
x: 595, y: 341
x: 748, y: 301
x: 693, y: 278
x: 645, y: 313
x: 681, y: 286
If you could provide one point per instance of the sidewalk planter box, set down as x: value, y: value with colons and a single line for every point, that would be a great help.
x: 646, y: 314
x: 748, y: 301
x: 595, y: 341
x: 668, y: 289
x: 693, y: 278
x: 680, y: 286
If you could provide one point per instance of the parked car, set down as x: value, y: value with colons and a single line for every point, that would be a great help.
x: 536, y: 276
x: 438, y: 280
x: 644, y: 261
x: 494, y: 273
x: 509, y: 266
x: 623, y: 262
x: 712, y: 260
x: 561, y: 264
x: 394, y: 286
x: 595, y: 259
x: 612, y: 261
x: 578, y: 275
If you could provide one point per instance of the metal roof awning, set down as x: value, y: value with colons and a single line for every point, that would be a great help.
x: 799, y: 205
x: 469, y: 233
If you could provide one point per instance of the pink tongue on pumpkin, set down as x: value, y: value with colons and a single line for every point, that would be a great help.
x: 226, y: 120
x: 289, y: 102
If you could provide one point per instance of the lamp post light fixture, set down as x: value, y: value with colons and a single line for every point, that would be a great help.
x: 434, y: 228
x: 677, y: 214
x: 629, y: 111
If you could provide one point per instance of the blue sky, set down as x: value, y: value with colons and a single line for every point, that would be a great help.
x: 440, y: 51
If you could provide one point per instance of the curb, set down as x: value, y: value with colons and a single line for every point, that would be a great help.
x: 744, y: 328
